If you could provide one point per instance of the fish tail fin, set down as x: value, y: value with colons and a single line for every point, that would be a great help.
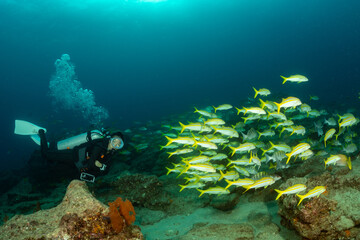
x: 245, y: 119
x: 229, y: 184
x: 222, y: 176
x: 279, y: 193
x: 196, y: 110
x: 262, y: 103
x: 233, y: 150
x: 285, y: 79
x: 182, y: 187
x: 184, y: 170
x: 238, y: 110
x: 170, y: 140
x: 169, y: 170
x: 289, y: 156
x: 214, y: 109
x: 349, y: 162
x: 247, y: 187
x: 201, y: 192
x: 182, y: 127
x: 278, y: 106
x: 230, y: 162
x: 244, y: 108
x: 301, y: 198
x: 256, y: 92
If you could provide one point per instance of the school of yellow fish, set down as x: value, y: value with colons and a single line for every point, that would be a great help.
x: 267, y: 135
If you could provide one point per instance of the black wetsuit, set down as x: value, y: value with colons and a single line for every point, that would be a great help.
x: 82, y: 156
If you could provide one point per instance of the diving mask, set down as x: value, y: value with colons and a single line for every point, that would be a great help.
x: 116, y: 142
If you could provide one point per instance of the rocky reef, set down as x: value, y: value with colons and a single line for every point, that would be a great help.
x: 78, y: 216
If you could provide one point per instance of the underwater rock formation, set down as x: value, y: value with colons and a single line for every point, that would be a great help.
x: 78, y: 216
x: 334, y: 215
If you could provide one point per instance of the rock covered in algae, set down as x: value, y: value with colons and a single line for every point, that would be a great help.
x: 78, y: 216
x: 334, y: 215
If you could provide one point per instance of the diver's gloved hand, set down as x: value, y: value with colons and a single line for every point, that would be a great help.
x: 103, y: 167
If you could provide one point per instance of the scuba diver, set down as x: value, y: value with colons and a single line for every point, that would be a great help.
x: 90, y: 152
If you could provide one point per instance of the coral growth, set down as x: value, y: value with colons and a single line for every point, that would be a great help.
x: 121, y: 212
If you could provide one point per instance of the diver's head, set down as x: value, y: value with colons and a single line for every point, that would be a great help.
x: 116, y: 141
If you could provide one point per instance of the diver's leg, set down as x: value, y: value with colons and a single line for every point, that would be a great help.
x: 44, y: 145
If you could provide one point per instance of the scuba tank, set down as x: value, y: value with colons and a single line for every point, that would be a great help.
x: 74, y: 141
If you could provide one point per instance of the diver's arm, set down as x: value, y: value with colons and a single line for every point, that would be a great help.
x: 94, y: 163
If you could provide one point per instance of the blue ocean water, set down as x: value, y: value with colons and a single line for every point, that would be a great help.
x: 144, y: 60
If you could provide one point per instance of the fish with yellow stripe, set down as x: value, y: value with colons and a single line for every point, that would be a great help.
x: 301, y: 147
x: 290, y: 190
x: 290, y: 102
x: 295, y: 78
x: 261, y: 92
x: 214, y: 190
x: 263, y: 182
x: 223, y: 107
x: 315, y: 192
x: 329, y: 135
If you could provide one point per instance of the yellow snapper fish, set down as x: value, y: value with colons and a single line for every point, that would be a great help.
x: 177, y: 169
x: 306, y: 155
x: 241, y: 170
x: 331, y: 121
x: 205, y: 144
x: 332, y: 160
x: 205, y: 113
x: 329, y: 133
x: 180, y: 140
x: 266, y: 133
x: 276, y: 115
x: 300, y: 130
x: 284, y: 123
x: 305, y: 108
x: 230, y: 175
x: 315, y: 98
x: 295, y: 78
x: 347, y: 121
x: 344, y: 161
x: 239, y: 182
x: 313, y: 113
x: 202, y: 167
x: 194, y: 160
x: 301, y: 147
x: 214, y: 190
x: 315, y: 192
x: 251, y: 117
x: 214, y: 121
x: 192, y: 185
x: 271, y: 106
x: 227, y: 131
x: 254, y: 110
x: 244, y: 161
x: 195, y: 127
x: 264, y: 182
x: 219, y: 156
x: 291, y: 190
x: 261, y: 92
x: 244, y: 147
x: 280, y: 147
x: 181, y: 151
x: 223, y: 107
x: 288, y: 103
x: 210, y: 177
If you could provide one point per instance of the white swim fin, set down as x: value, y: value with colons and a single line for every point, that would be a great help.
x: 36, y: 139
x: 26, y: 128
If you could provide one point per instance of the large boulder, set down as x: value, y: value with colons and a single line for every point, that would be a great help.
x: 78, y: 216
